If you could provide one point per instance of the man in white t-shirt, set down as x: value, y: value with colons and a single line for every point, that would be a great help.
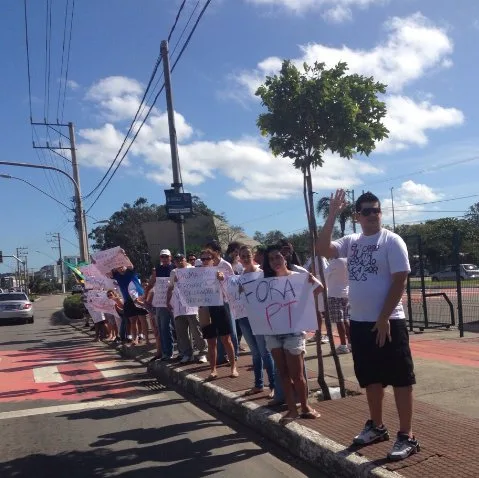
x: 378, y: 267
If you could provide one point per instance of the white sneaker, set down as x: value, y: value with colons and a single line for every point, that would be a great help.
x: 186, y: 359
x: 371, y: 434
x: 343, y: 349
x: 202, y: 359
x: 324, y: 339
x: 403, y: 447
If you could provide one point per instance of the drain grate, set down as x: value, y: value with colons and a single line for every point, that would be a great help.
x: 153, y: 385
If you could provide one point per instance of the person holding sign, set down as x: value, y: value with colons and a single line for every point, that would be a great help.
x: 378, y: 267
x: 219, y: 326
x: 260, y: 354
x: 186, y: 324
x: 288, y: 349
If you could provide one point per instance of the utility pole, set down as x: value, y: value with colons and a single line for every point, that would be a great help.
x: 21, y: 251
x: 175, y: 161
x: 56, y: 237
x: 392, y: 203
x: 80, y: 220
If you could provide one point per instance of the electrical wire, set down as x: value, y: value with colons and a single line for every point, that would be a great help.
x: 48, y: 41
x: 68, y: 59
x: 176, y: 20
x: 62, y: 82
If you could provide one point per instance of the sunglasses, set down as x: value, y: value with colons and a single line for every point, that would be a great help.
x: 164, y: 257
x: 206, y: 259
x: 367, y: 211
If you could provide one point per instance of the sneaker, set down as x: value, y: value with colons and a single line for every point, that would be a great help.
x: 403, y: 447
x: 343, y: 349
x: 311, y: 340
x: 202, y: 359
x: 371, y: 434
x: 166, y: 358
x: 186, y: 359
x: 324, y: 339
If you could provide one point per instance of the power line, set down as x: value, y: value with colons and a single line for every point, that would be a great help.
x: 28, y: 59
x: 62, y: 84
x: 48, y: 49
x: 68, y: 58
x: 176, y: 19
x: 153, y: 104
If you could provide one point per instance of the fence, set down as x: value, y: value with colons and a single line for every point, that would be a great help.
x: 443, y: 290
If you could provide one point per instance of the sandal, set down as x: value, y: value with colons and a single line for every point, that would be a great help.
x: 253, y: 391
x: 287, y: 419
x: 234, y: 374
x: 312, y: 414
x: 212, y: 376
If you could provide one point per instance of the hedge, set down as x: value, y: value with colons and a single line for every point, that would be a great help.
x: 73, y: 307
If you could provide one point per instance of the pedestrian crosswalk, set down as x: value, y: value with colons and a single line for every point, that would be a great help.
x: 49, y: 374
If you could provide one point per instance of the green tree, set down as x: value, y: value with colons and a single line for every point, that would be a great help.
x: 271, y: 237
x: 346, y: 215
x: 311, y: 112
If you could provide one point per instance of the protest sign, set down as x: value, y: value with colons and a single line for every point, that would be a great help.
x: 179, y: 308
x: 280, y: 305
x: 99, y: 302
x: 110, y: 259
x: 236, y: 295
x: 199, y: 286
x: 94, y: 279
x: 160, y: 290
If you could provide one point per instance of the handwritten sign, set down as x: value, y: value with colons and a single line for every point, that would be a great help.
x: 179, y: 308
x: 199, y: 286
x: 236, y: 295
x: 160, y: 290
x: 110, y: 259
x: 99, y: 302
x: 94, y: 279
x: 280, y: 305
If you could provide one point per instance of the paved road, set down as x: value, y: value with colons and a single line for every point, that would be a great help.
x: 70, y: 407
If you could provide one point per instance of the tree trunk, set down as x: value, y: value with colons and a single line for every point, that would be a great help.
x: 321, y: 380
x: 327, y: 318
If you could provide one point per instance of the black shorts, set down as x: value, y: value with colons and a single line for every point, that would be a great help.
x: 220, y: 323
x: 391, y: 364
x: 131, y: 310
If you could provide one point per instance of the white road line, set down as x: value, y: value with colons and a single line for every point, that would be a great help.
x: 76, y: 407
x: 47, y: 374
x: 110, y: 370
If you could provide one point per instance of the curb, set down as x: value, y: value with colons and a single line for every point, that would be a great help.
x: 323, y: 453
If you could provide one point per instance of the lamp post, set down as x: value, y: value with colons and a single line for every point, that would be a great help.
x: 81, y: 220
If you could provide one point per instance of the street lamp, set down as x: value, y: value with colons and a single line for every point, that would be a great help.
x: 81, y: 220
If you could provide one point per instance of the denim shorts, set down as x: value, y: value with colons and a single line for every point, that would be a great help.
x: 295, y: 343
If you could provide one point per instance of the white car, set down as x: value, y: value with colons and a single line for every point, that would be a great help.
x: 16, y: 305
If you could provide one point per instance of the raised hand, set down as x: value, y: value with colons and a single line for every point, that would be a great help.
x: 337, y: 202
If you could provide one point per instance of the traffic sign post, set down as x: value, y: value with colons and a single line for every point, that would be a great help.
x: 178, y: 203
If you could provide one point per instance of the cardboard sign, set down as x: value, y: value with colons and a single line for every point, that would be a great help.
x: 179, y: 308
x: 199, y: 286
x: 94, y: 279
x: 236, y: 295
x: 110, y: 259
x: 160, y: 290
x: 99, y: 302
x: 281, y: 305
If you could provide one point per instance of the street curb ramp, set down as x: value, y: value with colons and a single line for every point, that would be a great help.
x: 323, y: 453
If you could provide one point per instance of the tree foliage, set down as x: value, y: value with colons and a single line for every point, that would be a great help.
x: 347, y: 215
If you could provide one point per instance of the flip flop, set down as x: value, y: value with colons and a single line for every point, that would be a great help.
x: 211, y: 376
x: 234, y: 374
x: 311, y: 415
x: 253, y: 391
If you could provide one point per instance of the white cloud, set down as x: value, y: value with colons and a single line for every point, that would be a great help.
x: 73, y: 85
x: 414, y: 46
x: 406, y: 198
x: 332, y: 10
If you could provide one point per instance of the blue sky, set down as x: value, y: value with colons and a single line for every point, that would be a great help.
x: 421, y: 48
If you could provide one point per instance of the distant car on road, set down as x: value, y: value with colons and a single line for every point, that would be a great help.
x: 466, y: 271
x: 77, y: 289
x: 16, y: 305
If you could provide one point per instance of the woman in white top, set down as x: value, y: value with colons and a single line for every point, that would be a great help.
x: 288, y: 349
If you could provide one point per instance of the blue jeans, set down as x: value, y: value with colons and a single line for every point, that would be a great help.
x: 234, y: 339
x: 123, y: 328
x: 260, y: 354
x: 164, y: 320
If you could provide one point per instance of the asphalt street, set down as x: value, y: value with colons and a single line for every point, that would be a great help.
x: 71, y: 407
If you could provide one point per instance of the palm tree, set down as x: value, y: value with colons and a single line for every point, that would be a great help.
x: 322, y: 208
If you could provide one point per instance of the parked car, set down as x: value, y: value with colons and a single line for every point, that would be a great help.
x: 466, y: 271
x: 77, y: 289
x: 16, y: 305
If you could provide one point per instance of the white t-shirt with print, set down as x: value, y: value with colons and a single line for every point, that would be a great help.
x: 337, y: 278
x: 371, y: 261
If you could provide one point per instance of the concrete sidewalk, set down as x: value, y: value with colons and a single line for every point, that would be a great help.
x: 447, y: 439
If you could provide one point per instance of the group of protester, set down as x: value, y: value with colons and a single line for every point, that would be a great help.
x: 365, y: 278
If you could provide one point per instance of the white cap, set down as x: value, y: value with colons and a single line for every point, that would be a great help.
x: 165, y: 252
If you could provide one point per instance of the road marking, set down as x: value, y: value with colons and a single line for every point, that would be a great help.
x: 76, y: 407
x: 110, y: 370
x: 47, y: 374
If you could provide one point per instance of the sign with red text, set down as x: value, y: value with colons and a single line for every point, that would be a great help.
x: 110, y: 259
x: 236, y: 295
x: 94, y: 279
x: 280, y: 305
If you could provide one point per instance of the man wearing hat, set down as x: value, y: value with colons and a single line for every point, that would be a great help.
x: 164, y: 317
